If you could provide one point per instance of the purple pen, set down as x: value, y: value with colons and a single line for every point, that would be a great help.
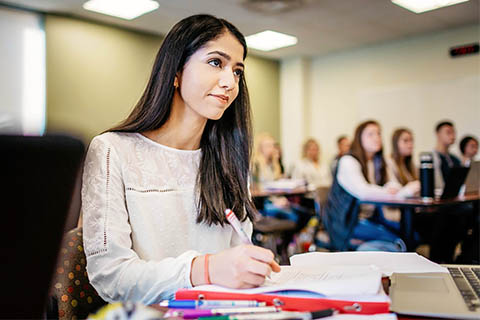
x: 196, y: 313
x: 188, y: 313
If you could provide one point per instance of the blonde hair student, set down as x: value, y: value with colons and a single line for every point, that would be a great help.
x: 309, y: 167
x: 266, y: 162
x: 155, y: 187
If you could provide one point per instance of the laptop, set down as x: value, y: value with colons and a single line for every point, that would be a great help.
x: 454, y: 182
x: 472, y: 183
x: 452, y: 295
x: 37, y: 179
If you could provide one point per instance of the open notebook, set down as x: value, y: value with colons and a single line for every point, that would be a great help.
x: 305, y: 288
x: 386, y: 262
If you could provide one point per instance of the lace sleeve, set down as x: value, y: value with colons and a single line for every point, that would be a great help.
x: 114, y: 268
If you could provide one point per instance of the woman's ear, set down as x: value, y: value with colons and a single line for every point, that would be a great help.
x: 175, y: 82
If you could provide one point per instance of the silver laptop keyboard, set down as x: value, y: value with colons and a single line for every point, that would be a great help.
x: 467, y: 280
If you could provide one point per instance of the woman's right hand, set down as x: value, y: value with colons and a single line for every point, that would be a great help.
x: 243, y: 266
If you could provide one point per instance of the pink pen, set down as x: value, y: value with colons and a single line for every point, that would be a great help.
x: 232, y: 219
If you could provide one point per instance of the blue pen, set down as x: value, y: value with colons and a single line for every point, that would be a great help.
x: 208, y: 304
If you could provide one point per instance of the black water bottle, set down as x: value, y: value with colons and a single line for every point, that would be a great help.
x: 427, y: 183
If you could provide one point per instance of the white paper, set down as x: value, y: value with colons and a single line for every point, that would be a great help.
x: 386, y: 262
x: 284, y: 184
x: 325, y: 280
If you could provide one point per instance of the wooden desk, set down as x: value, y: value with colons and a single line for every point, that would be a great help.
x: 408, y: 206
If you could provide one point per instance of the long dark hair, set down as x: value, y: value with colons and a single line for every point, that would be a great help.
x: 226, y: 143
x: 403, y: 163
x: 358, y: 152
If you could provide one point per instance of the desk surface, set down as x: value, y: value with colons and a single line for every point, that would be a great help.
x: 418, y: 202
x: 262, y: 193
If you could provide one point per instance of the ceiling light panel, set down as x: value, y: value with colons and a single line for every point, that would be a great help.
x: 125, y: 9
x: 270, y: 40
x: 419, y: 6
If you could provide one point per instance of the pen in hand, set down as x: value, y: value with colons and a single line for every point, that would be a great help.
x: 232, y: 219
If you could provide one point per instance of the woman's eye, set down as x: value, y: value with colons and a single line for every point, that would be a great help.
x: 215, y: 62
x: 238, y: 72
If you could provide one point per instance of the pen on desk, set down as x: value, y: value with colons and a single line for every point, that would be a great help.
x: 208, y: 304
x: 282, y: 315
x: 196, y: 313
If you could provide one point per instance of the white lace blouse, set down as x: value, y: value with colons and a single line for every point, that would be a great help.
x: 139, y: 211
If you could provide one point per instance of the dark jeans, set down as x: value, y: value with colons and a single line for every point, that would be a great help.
x: 368, y: 230
x: 444, y: 229
x: 471, y: 242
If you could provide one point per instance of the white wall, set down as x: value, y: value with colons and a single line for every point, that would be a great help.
x: 294, y: 107
x: 22, y: 76
x: 411, y: 82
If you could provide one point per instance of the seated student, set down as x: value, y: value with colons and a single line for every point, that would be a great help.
x: 155, y: 187
x: 309, y: 168
x: 266, y: 160
x: 469, y: 149
x: 470, y: 246
x: 452, y: 224
x: 400, y: 165
x: 343, y: 145
x: 266, y: 168
x: 443, y: 160
x: 362, y: 174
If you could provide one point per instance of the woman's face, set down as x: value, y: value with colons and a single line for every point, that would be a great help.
x: 405, y: 144
x: 267, y: 148
x: 312, y: 151
x: 209, y: 81
x: 371, y: 139
x: 471, y: 148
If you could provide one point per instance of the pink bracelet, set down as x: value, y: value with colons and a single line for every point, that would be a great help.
x: 206, y: 274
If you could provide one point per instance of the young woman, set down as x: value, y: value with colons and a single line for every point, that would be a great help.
x: 309, y: 168
x: 266, y: 162
x: 362, y: 174
x: 469, y: 149
x: 267, y: 168
x: 400, y: 165
x: 156, y: 186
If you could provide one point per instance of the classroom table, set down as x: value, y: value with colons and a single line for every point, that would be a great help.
x: 264, y: 193
x: 408, y: 206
